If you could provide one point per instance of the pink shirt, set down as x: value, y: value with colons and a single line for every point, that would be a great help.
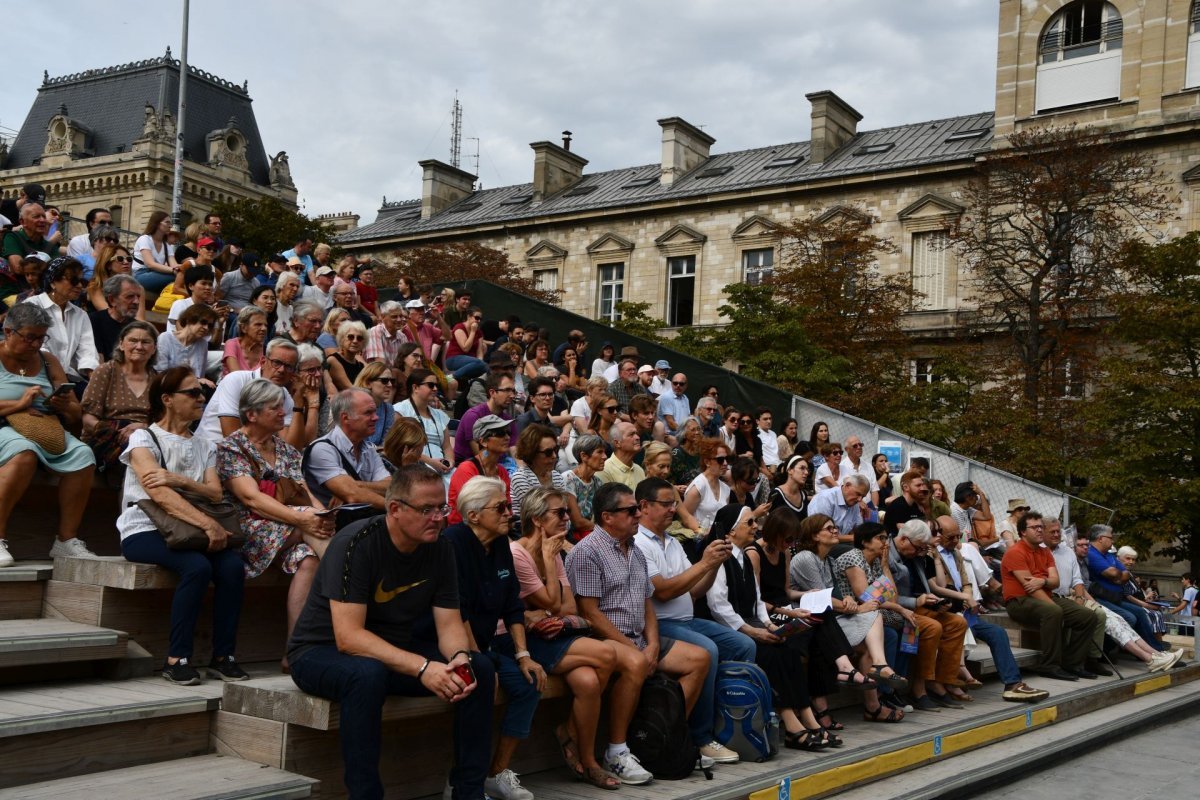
x: 233, y: 348
x: 527, y: 575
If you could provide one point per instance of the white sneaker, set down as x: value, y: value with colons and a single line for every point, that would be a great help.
x: 704, y: 762
x: 627, y: 769
x: 6, y: 559
x: 505, y: 786
x: 719, y: 753
x: 71, y: 548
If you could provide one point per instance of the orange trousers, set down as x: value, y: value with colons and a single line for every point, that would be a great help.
x: 940, y: 637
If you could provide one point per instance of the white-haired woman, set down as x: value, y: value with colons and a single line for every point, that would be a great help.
x: 347, y: 360
x: 245, y: 351
x: 287, y: 292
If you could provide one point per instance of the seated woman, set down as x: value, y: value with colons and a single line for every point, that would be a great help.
x: 492, y: 435
x: 709, y: 492
x: 263, y: 472
x: 464, y: 351
x: 829, y: 474
x: 685, y: 459
x: 70, y: 336
x: 376, y: 378
x: 657, y: 464
x: 404, y: 443
x: 162, y: 459
x: 245, y: 350
x: 347, y: 361
x: 604, y: 415
x: 28, y: 402
x: 557, y: 635
x: 113, y: 260
x: 1135, y: 594
x: 188, y: 345
x: 327, y: 341
x: 582, y: 482
x: 733, y: 600
x: 287, y: 291
x: 792, y: 494
x: 116, y: 402
x: 264, y: 297
x: 537, y: 453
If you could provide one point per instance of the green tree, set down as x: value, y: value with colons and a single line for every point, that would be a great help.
x: 458, y: 262
x: 267, y: 226
x: 635, y: 319
x: 1146, y: 410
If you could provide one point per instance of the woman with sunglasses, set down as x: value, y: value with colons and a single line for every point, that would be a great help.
x: 70, y: 336
x: 347, y: 361
x: 604, y: 415
x: 100, y: 238
x: 187, y: 345
x: 377, y: 379
x: 245, y: 351
x: 709, y: 491
x: 28, y: 378
x: 464, y: 351
x: 113, y: 260
x: 746, y: 442
x: 830, y: 472
x: 492, y: 434
x: 163, y: 459
x: 537, y: 453
x: 421, y: 406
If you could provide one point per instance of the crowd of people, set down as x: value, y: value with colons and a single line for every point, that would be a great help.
x: 463, y: 503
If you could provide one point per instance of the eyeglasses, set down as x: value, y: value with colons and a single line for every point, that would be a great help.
x: 679, y: 383
x: 208, y: 247
x: 75, y: 281
x: 283, y: 365
x: 835, y: 452
x: 429, y: 512
x: 859, y: 446
x: 509, y: 390
x: 195, y: 392
x: 721, y: 459
x: 34, y: 340
x: 1021, y: 508
x: 732, y: 420
x: 386, y: 381
x: 829, y: 526
x: 744, y: 421
x: 122, y: 259
x: 111, y: 240
x: 561, y: 512
x: 501, y: 508
x: 544, y: 395
x: 630, y: 510
x: 354, y: 337
x: 477, y: 318
x: 207, y: 323
x: 311, y: 370
x: 664, y: 503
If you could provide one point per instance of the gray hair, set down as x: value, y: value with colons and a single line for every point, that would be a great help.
x: 258, y: 394
x: 309, y: 352
x: 115, y: 284
x: 617, y: 431
x: 916, y: 531
x: 348, y: 327
x: 535, y: 504
x: 343, y: 403
x: 388, y: 306
x: 27, y: 315
x: 475, y: 493
x: 304, y: 309
x: 246, y: 314
x: 284, y: 279
x: 1094, y: 532
x: 862, y: 483
x: 586, y: 445
x: 706, y: 402
x: 1125, y: 551
x: 547, y: 371
x: 597, y: 382
x: 101, y: 231
x: 27, y: 210
x: 281, y: 344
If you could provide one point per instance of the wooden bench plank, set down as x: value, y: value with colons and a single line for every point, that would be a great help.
x: 117, y: 573
x: 52, y: 641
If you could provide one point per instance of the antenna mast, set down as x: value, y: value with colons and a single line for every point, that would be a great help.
x: 456, y: 132
x: 475, y: 156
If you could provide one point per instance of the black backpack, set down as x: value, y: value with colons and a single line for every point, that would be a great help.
x: 658, y: 733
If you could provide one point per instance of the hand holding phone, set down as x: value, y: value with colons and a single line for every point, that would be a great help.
x: 63, y: 389
x: 465, y: 673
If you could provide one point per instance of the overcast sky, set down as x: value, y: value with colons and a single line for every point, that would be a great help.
x: 358, y: 91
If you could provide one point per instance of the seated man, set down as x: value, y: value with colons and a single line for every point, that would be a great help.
x: 677, y: 583
x: 124, y: 297
x: 1109, y: 577
x: 354, y: 643
x: 1029, y: 575
x: 620, y: 466
x: 342, y: 466
x: 843, y: 504
x: 198, y: 283
x: 613, y: 590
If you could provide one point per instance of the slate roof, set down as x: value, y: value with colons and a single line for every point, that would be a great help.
x: 878, y: 151
x: 111, y: 103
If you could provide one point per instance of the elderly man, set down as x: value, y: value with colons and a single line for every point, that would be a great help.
x: 342, y: 466
x: 1109, y: 577
x: 843, y: 504
x: 853, y: 463
x: 279, y: 365
x: 321, y: 291
x: 384, y: 339
x: 124, y: 297
x: 673, y: 404
x: 28, y: 237
x: 305, y: 326
x: 345, y: 297
x: 969, y: 504
x: 29, y: 193
x: 425, y: 327
x: 1029, y: 576
x: 500, y: 389
x: 964, y: 581
x: 914, y: 495
x: 356, y: 643
x: 621, y: 466
x: 709, y: 418
x: 1072, y: 587
x: 612, y: 586
x: 627, y: 385
x: 677, y: 584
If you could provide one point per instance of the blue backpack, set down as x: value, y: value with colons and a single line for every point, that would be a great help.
x: 744, y: 711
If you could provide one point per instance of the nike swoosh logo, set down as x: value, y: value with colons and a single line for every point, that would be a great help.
x: 383, y: 596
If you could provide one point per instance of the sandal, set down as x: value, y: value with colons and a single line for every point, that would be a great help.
x: 805, y: 740
x: 597, y: 777
x: 883, y: 714
x: 851, y: 678
x: 960, y: 695
x: 566, y: 746
x: 832, y: 739
x: 896, y: 682
x: 826, y: 721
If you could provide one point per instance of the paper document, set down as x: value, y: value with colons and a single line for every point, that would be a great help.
x: 815, y: 602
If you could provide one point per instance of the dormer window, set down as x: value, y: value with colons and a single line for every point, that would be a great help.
x: 1080, y: 56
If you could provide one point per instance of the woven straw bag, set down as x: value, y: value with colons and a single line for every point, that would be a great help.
x: 44, y: 430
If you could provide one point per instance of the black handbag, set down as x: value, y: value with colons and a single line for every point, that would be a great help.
x: 1098, y: 591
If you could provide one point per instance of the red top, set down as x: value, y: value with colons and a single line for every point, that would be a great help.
x: 1037, y: 561
x: 367, y: 296
x: 452, y: 348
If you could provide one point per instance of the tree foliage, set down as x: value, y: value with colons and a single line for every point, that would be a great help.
x: 266, y: 226
x: 458, y: 262
x: 635, y: 320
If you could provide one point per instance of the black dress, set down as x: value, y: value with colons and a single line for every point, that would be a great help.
x: 352, y: 367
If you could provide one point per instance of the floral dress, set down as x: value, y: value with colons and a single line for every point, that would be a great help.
x: 584, y: 492
x: 238, y: 457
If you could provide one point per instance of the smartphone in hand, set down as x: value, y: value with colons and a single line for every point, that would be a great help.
x: 63, y: 389
x: 465, y: 673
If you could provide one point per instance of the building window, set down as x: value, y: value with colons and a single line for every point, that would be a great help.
x: 1067, y: 379
x: 681, y: 290
x: 1079, y: 57
x: 612, y: 291
x: 1193, y: 50
x: 930, y: 254
x: 546, y: 280
x: 920, y: 370
x: 116, y: 212
x: 757, y: 265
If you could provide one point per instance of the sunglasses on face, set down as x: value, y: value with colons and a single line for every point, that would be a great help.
x: 386, y: 381
x: 501, y: 508
x: 561, y: 513
x: 429, y: 385
x: 630, y: 510
x: 548, y: 452
x: 679, y: 383
x: 835, y: 452
x: 721, y: 459
x: 122, y: 259
x: 195, y: 392
x: 611, y: 409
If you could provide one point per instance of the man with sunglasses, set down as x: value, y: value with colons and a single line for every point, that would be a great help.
x: 710, y: 420
x: 279, y: 366
x: 677, y: 584
x: 81, y: 245
x: 673, y: 405
x: 124, y: 297
x: 342, y: 466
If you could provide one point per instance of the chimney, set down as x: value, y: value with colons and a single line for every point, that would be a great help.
x: 554, y: 169
x: 684, y: 147
x: 442, y: 185
x: 834, y: 123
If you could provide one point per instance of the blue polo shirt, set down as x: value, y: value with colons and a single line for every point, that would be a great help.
x: 1097, y: 563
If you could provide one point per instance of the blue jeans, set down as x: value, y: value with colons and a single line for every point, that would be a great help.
x: 361, y: 685
x: 722, y: 644
x: 1137, y: 618
x: 996, y: 638
x: 896, y: 659
x: 196, y: 570
x: 523, y: 696
x: 465, y: 368
x: 153, y: 282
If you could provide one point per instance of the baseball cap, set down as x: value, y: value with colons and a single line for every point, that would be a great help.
x: 488, y: 423
x: 206, y: 241
x: 414, y: 303
x: 323, y: 271
x: 295, y: 261
x: 250, y: 261
x: 34, y: 193
x: 645, y: 368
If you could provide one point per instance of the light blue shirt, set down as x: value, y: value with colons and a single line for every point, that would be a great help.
x: 677, y: 405
x: 832, y: 504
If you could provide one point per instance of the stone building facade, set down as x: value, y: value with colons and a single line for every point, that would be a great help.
x: 105, y: 138
x: 674, y: 234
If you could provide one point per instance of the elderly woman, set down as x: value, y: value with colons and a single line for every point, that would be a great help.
x: 263, y: 472
x: 245, y: 351
x: 657, y: 464
x: 32, y: 433
x: 377, y: 379
x: 116, y: 402
x: 327, y: 341
x: 347, y: 361
x: 685, y: 459
x: 489, y: 593
x: 287, y: 291
x: 187, y: 346
x: 582, y: 482
x: 404, y: 443
x: 162, y: 460
x: 537, y: 453
x: 70, y: 337
x: 708, y: 492
x: 1136, y: 595
x: 557, y: 637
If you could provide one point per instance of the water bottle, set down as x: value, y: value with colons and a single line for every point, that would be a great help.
x: 774, y: 733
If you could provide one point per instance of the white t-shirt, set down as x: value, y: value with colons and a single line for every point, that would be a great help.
x: 666, y: 557
x: 190, y: 457
x: 177, y: 308
x: 1189, y: 597
x: 224, y: 403
x: 770, y: 447
x: 706, y: 512
x: 981, y: 573
x: 146, y: 242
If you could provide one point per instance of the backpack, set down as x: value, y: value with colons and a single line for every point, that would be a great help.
x: 658, y: 733
x: 743, y: 717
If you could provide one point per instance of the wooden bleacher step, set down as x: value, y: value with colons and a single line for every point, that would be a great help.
x: 207, y: 777
x: 22, y: 587
x: 981, y: 664
x: 51, y: 641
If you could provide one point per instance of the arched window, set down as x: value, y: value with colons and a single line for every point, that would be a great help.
x: 1193, y: 53
x: 1079, y: 56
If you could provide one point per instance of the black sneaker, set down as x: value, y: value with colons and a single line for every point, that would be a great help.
x: 226, y: 668
x: 181, y: 673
